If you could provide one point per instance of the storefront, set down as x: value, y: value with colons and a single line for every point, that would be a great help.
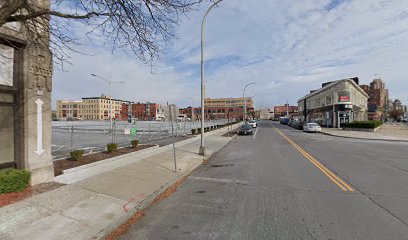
x: 337, y: 102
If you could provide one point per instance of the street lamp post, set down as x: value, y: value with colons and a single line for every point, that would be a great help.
x: 243, y: 95
x: 110, y: 97
x: 203, y: 149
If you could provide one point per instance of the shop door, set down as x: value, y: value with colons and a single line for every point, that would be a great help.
x: 344, y: 117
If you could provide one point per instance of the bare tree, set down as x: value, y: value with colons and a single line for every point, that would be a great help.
x: 139, y: 27
x: 395, y: 114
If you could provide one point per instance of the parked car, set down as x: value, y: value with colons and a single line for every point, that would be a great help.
x: 253, y: 123
x: 290, y: 122
x: 245, y: 129
x: 311, y: 127
x: 298, y: 125
x: 284, y: 121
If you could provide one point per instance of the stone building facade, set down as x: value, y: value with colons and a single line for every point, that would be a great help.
x: 90, y: 108
x: 336, y: 102
x: 25, y: 102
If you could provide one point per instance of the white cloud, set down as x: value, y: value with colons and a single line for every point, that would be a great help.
x: 286, y: 47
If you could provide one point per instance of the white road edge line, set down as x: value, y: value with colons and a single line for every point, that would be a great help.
x: 253, y: 137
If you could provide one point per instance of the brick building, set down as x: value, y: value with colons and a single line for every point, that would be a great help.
x: 141, y: 111
x: 378, y: 99
x: 214, y: 112
x: 286, y: 111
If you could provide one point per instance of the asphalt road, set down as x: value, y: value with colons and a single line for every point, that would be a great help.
x: 285, y: 184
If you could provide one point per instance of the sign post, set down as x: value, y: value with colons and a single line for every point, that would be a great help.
x: 172, y: 118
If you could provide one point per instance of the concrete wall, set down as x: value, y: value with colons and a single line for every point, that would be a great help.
x: 34, y: 71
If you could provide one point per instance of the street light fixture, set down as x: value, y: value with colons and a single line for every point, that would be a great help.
x: 110, y: 97
x: 243, y: 94
x: 203, y: 149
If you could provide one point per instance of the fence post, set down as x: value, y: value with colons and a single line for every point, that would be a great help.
x: 150, y: 132
x: 114, y: 134
x: 72, y: 138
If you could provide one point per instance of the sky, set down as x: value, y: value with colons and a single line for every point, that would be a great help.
x: 286, y: 47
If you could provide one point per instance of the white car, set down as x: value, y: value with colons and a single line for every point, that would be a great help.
x: 311, y: 127
x: 253, y: 123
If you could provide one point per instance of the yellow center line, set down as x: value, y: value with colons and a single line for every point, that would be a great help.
x: 333, y: 177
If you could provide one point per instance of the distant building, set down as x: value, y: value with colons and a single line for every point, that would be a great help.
x: 68, y: 109
x: 91, y: 108
x: 336, y: 102
x: 286, y: 111
x: 140, y: 111
x: 266, y: 113
x: 221, y: 108
x: 397, y: 105
x: 160, y: 116
x: 145, y: 111
x: 229, y: 102
x: 378, y: 99
x: 215, y: 112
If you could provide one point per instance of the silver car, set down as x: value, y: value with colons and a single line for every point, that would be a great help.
x: 312, y: 127
x: 253, y: 123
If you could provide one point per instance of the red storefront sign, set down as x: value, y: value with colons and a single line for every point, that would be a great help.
x: 344, y: 99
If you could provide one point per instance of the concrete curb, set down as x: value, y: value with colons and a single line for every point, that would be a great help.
x: 150, y: 199
x: 374, y: 139
x: 70, y: 170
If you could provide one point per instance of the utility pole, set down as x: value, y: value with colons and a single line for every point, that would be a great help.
x: 203, y: 149
x: 243, y: 96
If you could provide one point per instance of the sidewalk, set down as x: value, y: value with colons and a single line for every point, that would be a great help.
x: 102, y: 197
x: 394, y: 133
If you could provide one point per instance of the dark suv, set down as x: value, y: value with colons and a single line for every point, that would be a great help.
x: 245, y: 129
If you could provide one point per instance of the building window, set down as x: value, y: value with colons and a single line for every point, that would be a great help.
x: 344, y: 96
x: 328, y: 99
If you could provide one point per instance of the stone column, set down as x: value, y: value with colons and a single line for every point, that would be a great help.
x: 37, y: 114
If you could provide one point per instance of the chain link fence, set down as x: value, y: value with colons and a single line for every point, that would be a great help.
x: 94, y: 136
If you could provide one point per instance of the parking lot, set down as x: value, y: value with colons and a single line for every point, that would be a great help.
x: 93, y: 136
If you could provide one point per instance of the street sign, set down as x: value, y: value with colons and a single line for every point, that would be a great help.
x: 126, y: 131
x: 133, y: 132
